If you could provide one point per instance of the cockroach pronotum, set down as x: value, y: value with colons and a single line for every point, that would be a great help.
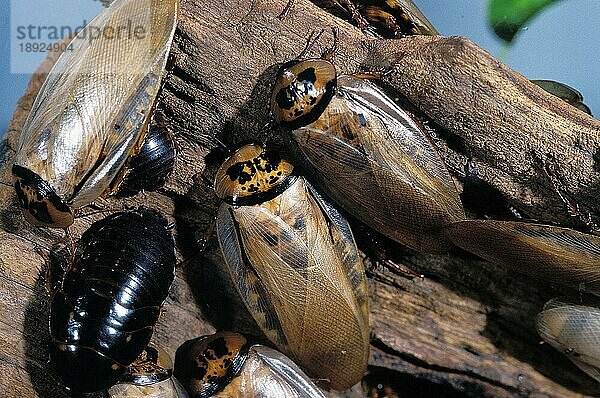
x: 226, y: 365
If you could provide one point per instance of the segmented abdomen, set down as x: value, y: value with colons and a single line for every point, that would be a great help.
x: 104, y: 315
x: 152, y: 166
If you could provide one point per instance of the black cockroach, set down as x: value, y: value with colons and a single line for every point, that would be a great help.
x: 104, y: 311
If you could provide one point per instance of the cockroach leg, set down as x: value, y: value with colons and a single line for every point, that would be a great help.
x: 201, y: 243
x: 372, y: 74
x: 55, y: 267
x: 391, y: 23
x: 72, y: 245
x: 377, y: 256
x: 572, y: 206
x: 223, y: 146
x: 399, y: 269
x: 98, y: 204
x: 169, y: 66
x: 329, y: 54
x: 92, y: 213
x: 286, y: 10
x: 310, y: 42
x: 205, y: 237
x: 268, y: 129
x: 46, y: 270
x: 355, y: 14
x: 200, y: 177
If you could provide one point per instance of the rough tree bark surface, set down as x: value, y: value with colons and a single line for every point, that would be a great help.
x: 466, y: 329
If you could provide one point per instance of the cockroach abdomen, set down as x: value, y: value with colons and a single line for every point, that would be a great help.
x: 84, y: 369
x: 152, y: 166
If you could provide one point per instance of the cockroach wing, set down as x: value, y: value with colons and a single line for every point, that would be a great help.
x: 289, y: 247
x: 343, y: 238
x: 559, y: 255
x: 419, y: 19
x: 268, y: 373
x: 371, y: 158
x: 573, y: 327
x: 251, y: 288
x: 286, y: 370
x: 564, y: 92
x: 94, y: 103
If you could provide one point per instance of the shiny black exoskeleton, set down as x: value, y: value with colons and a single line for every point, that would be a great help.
x: 152, y: 166
x: 103, y: 314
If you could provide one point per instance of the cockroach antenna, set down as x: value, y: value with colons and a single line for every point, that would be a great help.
x: 267, y: 132
x: 222, y: 145
x: 310, y: 43
x: 329, y: 54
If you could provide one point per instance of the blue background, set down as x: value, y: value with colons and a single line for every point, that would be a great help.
x: 563, y: 43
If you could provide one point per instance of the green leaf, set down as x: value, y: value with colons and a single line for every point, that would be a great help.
x: 507, y: 17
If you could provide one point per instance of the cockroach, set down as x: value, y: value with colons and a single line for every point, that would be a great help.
x: 366, y: 153
x: 572, y: 326
x: 103, y: 313
x: 564, y: 92
x: 397, y: 18
x: 294, y: 262
x: 559, y: 255
x: 391, y: 19
x: 91, y: 113
x: 149, y: 376
x: 226, y: 365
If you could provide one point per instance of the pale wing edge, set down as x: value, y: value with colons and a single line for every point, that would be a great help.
x: 288, y: 371
x: 240, y: 269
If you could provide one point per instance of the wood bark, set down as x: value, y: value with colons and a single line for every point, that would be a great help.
x: 466, y: 329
